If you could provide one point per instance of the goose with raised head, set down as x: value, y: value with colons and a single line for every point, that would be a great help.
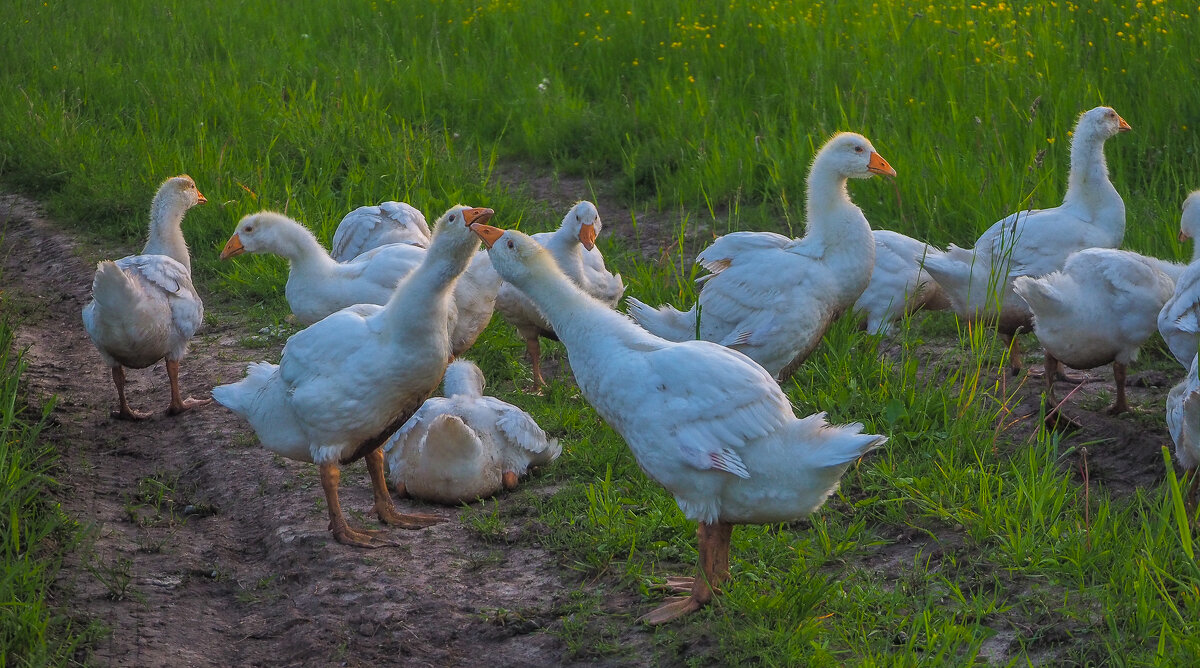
x: 348, y: 382
x: 144, y: 307
x: 370, y: 227
x: 899, y: 284
x: 573, y: 246
x: 1098, y: 309
x: 465, y: 446
x: 1179, y: 320
x: 772, y: 297
x: 704, y: 421
x: 1036, y: 242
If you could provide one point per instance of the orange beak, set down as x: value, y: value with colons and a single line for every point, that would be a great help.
x: 1122, y: 126
x: 478, y: 215
x: 200, y: 198
x: 880, y: 166
x: 489, y: 234
x: 587, y: 236
x: 232, y: 247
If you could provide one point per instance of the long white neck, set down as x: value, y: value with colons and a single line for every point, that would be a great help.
x: 461, y: 382
x: 302, y: 249
x: 166, y: 231
x: 427, y: 289
x: 564, y: 245
x: 834, y: 221
x: 575, y: 315
x: 1088, y: 184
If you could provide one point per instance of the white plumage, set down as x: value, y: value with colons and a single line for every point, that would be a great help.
x: 465, y: 446
x: 370, y: 227
x: 144, y: 307
x: 899, y: 284
x: 702, y: 420
x: 1179, y: 320
x: 772, y: 297
x: 1183, y: 418
x: 978, y: 281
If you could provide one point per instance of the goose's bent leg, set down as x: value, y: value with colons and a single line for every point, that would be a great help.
x: 1121, y: 404
x: 714, y: 569
x: 1052, y: 368
x: 383, y: 501
x: 1014, y: 352
x: 330, y: 476
x: 178, y: 403
x: 534, y: 348
x: 124, y: 412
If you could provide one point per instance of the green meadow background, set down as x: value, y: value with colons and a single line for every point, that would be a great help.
x: 707, y: 113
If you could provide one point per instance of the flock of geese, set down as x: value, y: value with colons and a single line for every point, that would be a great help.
x: 694, y: 393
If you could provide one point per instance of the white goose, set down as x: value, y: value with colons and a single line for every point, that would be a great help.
x: 702, y: 420
x: 573, y: 246
x: 346, y: 383
x: 1099, y: 308
x: 1179, y: 320
x: 772, y: 297
x: 465, y: 446
x: 1037, y: 242
x: 318, y: 285
x: 1183, y: 421
x: 144, y: 307
x: 370, y: 227
x: 899, y: 283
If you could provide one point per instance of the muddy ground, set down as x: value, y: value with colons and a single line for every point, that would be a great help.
x: 208, y: 550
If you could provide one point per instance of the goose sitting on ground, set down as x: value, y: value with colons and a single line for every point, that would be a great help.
x: 370, y: 227
x: 1183, y: 421
x: 772, y: 297
x: 573, y: 246
x: 318, y: 285
x: 347, y: 383
x: 1037, y: 242
x: 144, y: 307
x: 899, y: 284
x: 702, y: 420
x: 1100, y: 308
x: 1179, y: 320
x: 465, y: 446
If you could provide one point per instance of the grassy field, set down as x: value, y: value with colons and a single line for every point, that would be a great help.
x: 713, y: 109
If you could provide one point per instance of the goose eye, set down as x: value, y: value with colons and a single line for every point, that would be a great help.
x: 858, y: 149
x: 248, y: 228
x: 510, y: 243
x: 453, y: 216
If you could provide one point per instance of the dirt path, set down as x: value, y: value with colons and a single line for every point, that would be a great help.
x: 211, y: 551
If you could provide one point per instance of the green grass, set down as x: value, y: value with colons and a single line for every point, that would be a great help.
x: 956, y: 538
x: 34, y: 532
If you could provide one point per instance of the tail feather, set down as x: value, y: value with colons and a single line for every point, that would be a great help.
x: 113, y: 290
x: 665, y: 321
x: 1041, y: 294
x: 240, y: 397
x: 834, y: 445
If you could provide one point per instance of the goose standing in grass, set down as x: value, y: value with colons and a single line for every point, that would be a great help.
x: 772, y: 297
x: 1038, y: 241
x: 1183, y: 421
x: 465, y: 446
x: 348, y: 382
x: 144, y: 307
x: 702, y: 420
x: 899, y: 284
x: 1179, y: 320
x: 573, y: 246
x: 318, y: 285
x: 1098, y: 309
x: 370, y: 227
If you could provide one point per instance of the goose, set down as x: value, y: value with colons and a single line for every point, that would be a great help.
x: 573, y: 246
x: 704, y: 421
x: 465, y: 446
x: 318, y: 285
x: 347, y: 382
x: 370, y: 227
x: 1183, y: 421
x: 1098, y: 309
x: 772, y: 297
x: 144, y: 307
x: 899, y: 284
x: 1036, y: 242
x: 1179, y: 320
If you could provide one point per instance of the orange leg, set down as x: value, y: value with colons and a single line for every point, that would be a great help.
x: 178, y: 403
x: 330, y: 476
x: 534, y: 347
x: 1121, y: 405
x: 124, y: 412
x: 714, y: 569
x: 383, y: 501
x: 510, y: 480
x: 1014, y: 353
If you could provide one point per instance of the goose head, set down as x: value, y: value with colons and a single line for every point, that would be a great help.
x: 851, y: 155
x: 1189, y: 220
x: 463, y: 378
x: 178, y: 194
x: 583, y: 221
x: 515, y: 256
x: 262, y: 232
x: 454, y: 228
x: 1100, y: 123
